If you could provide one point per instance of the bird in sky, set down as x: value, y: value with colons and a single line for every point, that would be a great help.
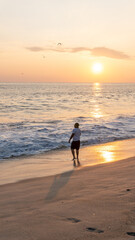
x: 59, y: 44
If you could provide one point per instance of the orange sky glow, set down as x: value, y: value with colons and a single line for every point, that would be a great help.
x: 47, y: 41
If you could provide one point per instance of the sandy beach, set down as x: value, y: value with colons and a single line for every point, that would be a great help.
x: 90, y: 202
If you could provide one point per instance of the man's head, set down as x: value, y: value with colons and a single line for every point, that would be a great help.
x: 76, y: 125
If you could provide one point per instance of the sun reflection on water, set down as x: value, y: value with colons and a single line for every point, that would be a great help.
x: 107, y: 153
x: 108, y: 156
x: 96, y: 111
x: 97, y: 89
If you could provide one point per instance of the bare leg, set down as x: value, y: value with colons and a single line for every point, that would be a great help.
x: 73, y: 153
x: 74, y: 163
x: 77, y: 154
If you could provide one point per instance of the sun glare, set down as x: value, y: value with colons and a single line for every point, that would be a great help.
x: 97, y: 68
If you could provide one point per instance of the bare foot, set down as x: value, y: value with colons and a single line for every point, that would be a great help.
x: 74, y: 163
x: 78, y: 162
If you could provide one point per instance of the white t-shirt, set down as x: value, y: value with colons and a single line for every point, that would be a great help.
x: 77, y: 134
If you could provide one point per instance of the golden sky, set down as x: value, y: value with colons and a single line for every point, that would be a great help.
x: 59, y: 41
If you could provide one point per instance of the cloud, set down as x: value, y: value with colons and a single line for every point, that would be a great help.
x: 79, y: 49
x: 35, y: 49
x: 110, y: 53
x: 102, y: 52
x: 97, y: 51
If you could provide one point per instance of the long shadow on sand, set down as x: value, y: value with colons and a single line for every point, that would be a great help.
x: 58, y: 183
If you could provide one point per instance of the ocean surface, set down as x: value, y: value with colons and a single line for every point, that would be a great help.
x: 37, y: 118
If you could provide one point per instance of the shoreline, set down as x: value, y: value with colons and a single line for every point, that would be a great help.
x: 57, y: 162
x: 59, y: 150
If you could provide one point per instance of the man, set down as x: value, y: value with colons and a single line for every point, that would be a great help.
x: 76, y: 133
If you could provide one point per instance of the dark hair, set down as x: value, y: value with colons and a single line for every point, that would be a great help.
x: 76, y: 125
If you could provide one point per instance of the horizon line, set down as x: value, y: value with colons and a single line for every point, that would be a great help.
x: 69, y: 82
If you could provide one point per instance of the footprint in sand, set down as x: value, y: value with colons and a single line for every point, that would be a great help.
x: 74, y: 220
x: 94, y: 230
x: 128, y: 189
x: 131, y: 233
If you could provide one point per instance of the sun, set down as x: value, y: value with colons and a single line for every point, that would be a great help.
x: 97, y: 68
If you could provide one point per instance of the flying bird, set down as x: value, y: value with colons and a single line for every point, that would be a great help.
x: 59, y: 44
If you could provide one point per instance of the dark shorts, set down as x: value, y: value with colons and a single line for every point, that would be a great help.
x: 75, y: 145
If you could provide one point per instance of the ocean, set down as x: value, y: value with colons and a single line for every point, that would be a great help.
x: 39, y: 117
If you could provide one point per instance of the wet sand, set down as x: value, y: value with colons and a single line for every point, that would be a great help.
x: 56, y: 162
x: 88, y: 202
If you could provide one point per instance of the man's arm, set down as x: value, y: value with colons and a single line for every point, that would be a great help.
x: 71, y: 137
